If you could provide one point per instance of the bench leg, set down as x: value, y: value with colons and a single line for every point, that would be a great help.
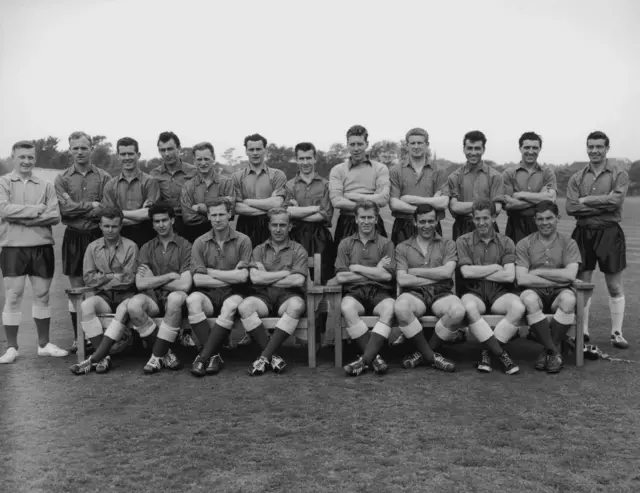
x: 580, y: 302
x: 76, y: 299
x: 311, y: 331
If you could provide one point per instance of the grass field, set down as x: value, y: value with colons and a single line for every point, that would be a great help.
x: 318, y: 431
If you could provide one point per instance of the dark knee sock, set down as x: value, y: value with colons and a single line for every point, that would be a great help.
x: 95, y: 341
x: 74, y: 323
x: 278, y: 337
x: 376, y: 341
x: 151, y: 339
x: 420, y: 343
x: 42, y: 326
x: 435, y: 342
x: 103, y: 350
x: 259, y: 334
x: 543, y: 333
x: 217, y: 335
x: 362, y: 342
x: 493, y: 345
x: 558, y: 332
x: 11, y: 331
x: 201, y: 331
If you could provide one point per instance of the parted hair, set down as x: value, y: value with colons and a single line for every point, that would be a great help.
x: 80, y: 135
x: 165, y: 137
x: 419, y: 132
x: 358, y: 131
x: 367, y: 205
x: 423, y: 209
x: 475, y: 136
x: 547, y: 205
x: 219, y: 201
x: 483, y: 204
x: 529, y: 136
x: 125, y: 142
x: 162, y: 207
x: 112, y: 213
x: 598, y: 135
x: 305, y: 147
x: 23, y: 144
x: 276, y: 211
x: 255, y: 138
x: 201, y: 146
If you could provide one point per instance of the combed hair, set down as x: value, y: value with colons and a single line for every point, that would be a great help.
x: 547, y: 205
x: 358, y: 131
x: 162, y: 207
x: 367, y: 205
x: 23, y: 144
x: 598, y: 135
x: 255, y: 138
x: 276, y: 211
x: 125, y: 142
x: 529, y: 136
x: 419, y: 132
x: 80, y: 135
x: 112, y: 213
x: 475, y: 136
x: 483, y: 204
x: 165, y: 137
x: 305, y: 147
x: 219, y: 201
x: 423, y: 209
x: 201, y: 146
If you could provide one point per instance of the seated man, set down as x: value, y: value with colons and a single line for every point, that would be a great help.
x: 278, y: 273
x: 163, y: 280
x: 109, y: 267
x: 219, y: 265
x: 425, y: 267
x: 487, y: 263
x: 364, y: 267
x: 546, y: 265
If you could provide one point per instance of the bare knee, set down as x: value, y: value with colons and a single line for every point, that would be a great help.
x: 246, y: 309
x: 530, y: 301
x: 122, y: 311
x: 349, y: 307
x: 136, y: 306
x: 194, y: 303
x: 567, y: 302
x: 385, y: 311
x: 614, y: 286
x: 88, y: 307
x: 516, y: 310
x: 471, y: 310
x: 175, y: 300
x: 402, y: 310
x: 295, y: 307
x: 456, y: 312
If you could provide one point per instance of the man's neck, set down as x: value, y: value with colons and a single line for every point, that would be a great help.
x: 83, y: 168
x: 24, y: 176
x: 598, y: 166
x: 208, y: 175
x: 419, y: 162
x: 130, y: 173
x: 256, y: 167
x: 173, y: 166
x: 474, y: 166
x: 548, y: 238
x: 112, y: 243
x: 357, y: 162
x: 528, y: 166
x: 425, y: 241
x: 308, y: 177
x: 167, y: 238
x: 221, y: 235
x: 364, y: 237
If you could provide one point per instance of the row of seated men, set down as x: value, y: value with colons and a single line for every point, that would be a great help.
x: 221, y: 276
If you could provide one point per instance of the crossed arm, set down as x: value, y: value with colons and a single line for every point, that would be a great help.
x: 215, y: 278
x: 423, y: 276
x: 172, y: 281
x: 279, y: 279
x: 493, y: 272
x: 543, y: 278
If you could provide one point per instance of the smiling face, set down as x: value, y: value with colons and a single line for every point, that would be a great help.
x: 169, y: 152
x: 162, y: 224
x: 357, y: 146
x: 473, y: 151
x: 306, y: 162
x: 204, y: 161
x: 279, y: 226
x: 547, y: 223
x: 219, y: 217
x: 256, y: 152
x: 597, y: 150
x: 483, y: 221
x: 426, y: 225
x: 530, y: 150
x: 24, y: 160
x: 418, y: 146
x: 128, y: 157
x: 80, y: 150
x: 366, y: 220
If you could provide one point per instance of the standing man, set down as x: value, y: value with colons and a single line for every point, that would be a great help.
x: 418, y: 181
x: 425, y: 266
x: 258, y: 188
x: 546, y: 265
x: 133, y: 192
x: 278, y: 275
x: 365, y: 266
x: 171, y: 176
x: 474, y: 180
x: 28, y: 209
x: 163, y: 280
x: 355, y: 180
x: 201, y: 190
x: 525, y: 186
x: 486, y: 260
x: 595, y: 196
x: 79, y: 189
x: 220, y: 262
x: 110, y: 268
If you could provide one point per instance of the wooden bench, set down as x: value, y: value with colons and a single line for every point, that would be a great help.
x: 307, y: 325
x: 583, y: 290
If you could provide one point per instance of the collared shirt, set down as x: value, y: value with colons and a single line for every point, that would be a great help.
x: 100, y: 260
x: 78, y: 211
x: 351, y: 250
x: 130, y: 194
x: 310, y: 194
x: 292, y: 257
x: 198, y: 191
x: 473, y: 250
x: 176, y: 257
x: 404, y: 180
x: 532, y: 253
x: 172, y: 184
x: 368, y: 177
x: 409, y: 255
x: 20, y: 224
x: 259, y: 184
x: 611, y: 185
x: 467, y: 184
x: 207, y: 254
x: 521, y: 179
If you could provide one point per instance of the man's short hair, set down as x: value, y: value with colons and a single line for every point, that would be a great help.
x: 126, y: 142
x: 483, y: 204
x: 276, y: 211
x: 80, y: 135
x: 162, y: 207
x: 219, y: 201
x: 424, y: 209
x: 22, y: 144
x: 597, y: 135
x: 305, y: 147
x: 358, y: 131
x: 112, y: 213
x: 529, y: 136
x: 201, y: 146
x: 547, y: 205
x: 367, y: 205
x: 419, y: 132
x: 475, y: 136
x: 165, y: 137
x: 255, y: 138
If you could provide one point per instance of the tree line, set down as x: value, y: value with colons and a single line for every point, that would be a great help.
x: 283, y: 157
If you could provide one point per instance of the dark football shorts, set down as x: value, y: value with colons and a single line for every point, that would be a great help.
x: 605, y: 247
x: 369, y: 295
x: 218, y: 295
x: 114, y: 298
x: 255, y: 227
x: 139, y: 233
x: 191, y: 232
x: 74, y: 244
x: 548, y: 296
x: 520, y: 226
x: 275, y: 297
x: 487, y: 291
x: 35, y: 261
x: 159, y: 297
x: 430, y: 294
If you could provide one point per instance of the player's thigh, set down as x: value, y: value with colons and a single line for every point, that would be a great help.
x: 472, y: 301
x: 254, y: 304
x: 350, y: 304
x: 532, y: 301
x: 14, y: 287
x: 294, y: 303
x: 197, y: 301
x: 566, y: 299
x: 230, y: 305
x: 445, y: 305
x: 146, y: 303
x: 384, y: 308
x: 95, y: 304
x: 503, y: 304
x: 40, y: 286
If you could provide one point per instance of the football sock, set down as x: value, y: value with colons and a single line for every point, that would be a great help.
x: 259, y: 334
x: 278, y: 337
x: 616, y: 307
x: 543, y: 332
x: 217, y: 336
x: 74, y: 323
x: 201, y: 331
x: 374, y: 345
x: 493, y: 345
x: 421, y: 344
x: 362, y: 341
x: 11, y: 332
x: 103, y: 350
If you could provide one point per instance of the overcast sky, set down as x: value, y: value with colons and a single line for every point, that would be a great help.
x: 299, y: 70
